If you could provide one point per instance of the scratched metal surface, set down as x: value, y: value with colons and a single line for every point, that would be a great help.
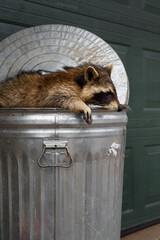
x: 79, y: 202
x: 50, y: 47
x: 40, y: 201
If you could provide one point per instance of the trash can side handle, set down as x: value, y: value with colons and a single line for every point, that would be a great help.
x: 55, y: 160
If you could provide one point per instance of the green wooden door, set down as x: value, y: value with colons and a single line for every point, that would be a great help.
x: 133, y: 30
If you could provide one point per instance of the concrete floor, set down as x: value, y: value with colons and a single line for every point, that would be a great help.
x: 150, y: 233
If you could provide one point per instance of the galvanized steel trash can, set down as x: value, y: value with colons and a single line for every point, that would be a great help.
x: 60, y: 179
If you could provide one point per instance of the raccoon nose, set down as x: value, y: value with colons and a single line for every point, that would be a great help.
x: 121, y: 107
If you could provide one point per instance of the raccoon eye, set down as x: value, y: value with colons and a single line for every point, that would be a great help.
x: 108, y: 93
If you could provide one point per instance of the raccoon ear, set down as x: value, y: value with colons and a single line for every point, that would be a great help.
x: 109, y: 69
x: 90, y: 73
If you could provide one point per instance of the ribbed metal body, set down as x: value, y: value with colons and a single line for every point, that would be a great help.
x: 61, y: 179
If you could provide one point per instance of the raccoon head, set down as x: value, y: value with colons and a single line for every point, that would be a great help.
x: 99, y: 88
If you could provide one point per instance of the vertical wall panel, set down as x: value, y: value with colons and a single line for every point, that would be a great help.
x: 132, y: 28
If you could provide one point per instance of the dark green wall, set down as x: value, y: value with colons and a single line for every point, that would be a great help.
x: 132, y: 27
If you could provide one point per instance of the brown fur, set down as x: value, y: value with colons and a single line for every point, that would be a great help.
x: 70, y: 89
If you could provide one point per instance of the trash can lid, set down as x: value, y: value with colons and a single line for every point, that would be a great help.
x: 50, y: 47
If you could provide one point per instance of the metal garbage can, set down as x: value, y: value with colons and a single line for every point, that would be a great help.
x: 60, y: 179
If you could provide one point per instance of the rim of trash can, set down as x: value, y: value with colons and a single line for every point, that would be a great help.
x: 50, y: 47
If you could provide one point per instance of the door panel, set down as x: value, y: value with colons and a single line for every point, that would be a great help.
x: 132, y: 28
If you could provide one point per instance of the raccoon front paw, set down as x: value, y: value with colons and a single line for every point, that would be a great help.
x: 87, y: 115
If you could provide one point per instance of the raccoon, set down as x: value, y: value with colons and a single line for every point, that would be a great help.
x: 73, y: 89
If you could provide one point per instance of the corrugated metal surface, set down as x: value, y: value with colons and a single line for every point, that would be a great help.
x: 51, y: 47
x: 82, y: 202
